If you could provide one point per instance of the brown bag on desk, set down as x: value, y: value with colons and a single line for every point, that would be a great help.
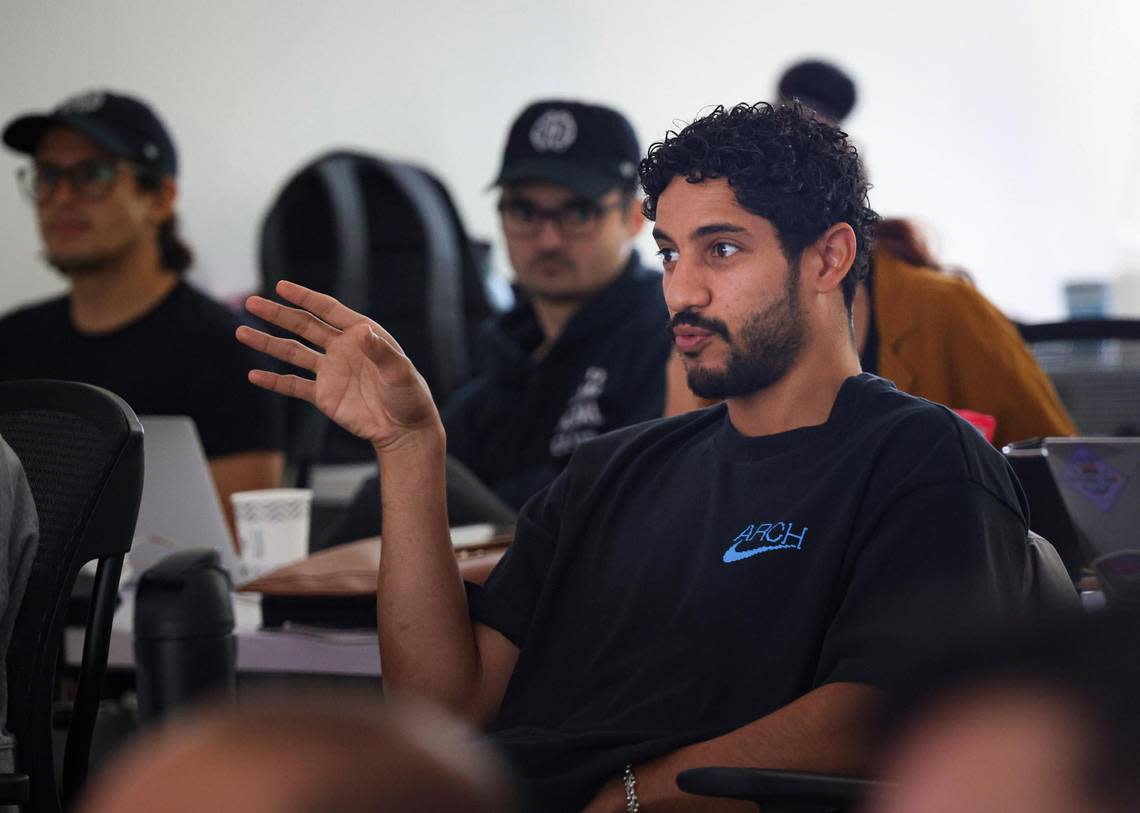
x: 336, y: 587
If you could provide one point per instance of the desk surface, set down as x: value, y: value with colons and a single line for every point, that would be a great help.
x: 302, y: 650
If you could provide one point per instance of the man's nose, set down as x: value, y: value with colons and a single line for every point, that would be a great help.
x: 549, y: 234
x: 63, y: 191
x: 686, y: 288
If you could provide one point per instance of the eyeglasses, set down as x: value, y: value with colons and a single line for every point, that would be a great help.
x: 91, y: 180
x: 580, y: 217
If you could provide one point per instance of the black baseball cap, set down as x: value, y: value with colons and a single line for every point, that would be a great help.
x: 122, y: 125
x: 587, y: 148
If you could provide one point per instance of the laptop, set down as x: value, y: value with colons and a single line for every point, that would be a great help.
x: 180, y: 507
x: 1084, y: 494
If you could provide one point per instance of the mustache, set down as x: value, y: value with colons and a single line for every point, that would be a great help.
x: 551, y: 256
x: 694, y: 320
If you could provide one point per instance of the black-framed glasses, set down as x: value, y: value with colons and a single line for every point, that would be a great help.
x: 579, y: 217
x: 91, y: 179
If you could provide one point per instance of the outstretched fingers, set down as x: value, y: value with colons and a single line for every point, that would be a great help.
x: 324, y: 306
x: 289, y: 351
x: 292, y: 385
x: 296, y: 321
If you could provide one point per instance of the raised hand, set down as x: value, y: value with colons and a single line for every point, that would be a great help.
x: 363, y: 380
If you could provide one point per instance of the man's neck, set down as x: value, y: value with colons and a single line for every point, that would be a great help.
x: 802, y: 398
x: 553, y: 314
x: 552, y: 317
x: 106, y: 299
x: 862, y: 313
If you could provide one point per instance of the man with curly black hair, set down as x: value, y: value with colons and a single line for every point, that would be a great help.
x: 719, y: 588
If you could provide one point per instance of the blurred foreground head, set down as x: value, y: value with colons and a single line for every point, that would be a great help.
x: 302, y: 754
x: 1047, y: 721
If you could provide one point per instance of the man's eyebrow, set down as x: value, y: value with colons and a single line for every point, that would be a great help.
x: 717, y: 228
x: 702, y: 231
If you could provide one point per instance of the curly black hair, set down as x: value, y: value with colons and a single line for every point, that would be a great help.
x: 795, y: 171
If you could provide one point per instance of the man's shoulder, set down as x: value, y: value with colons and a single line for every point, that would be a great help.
x: 46, y: 313
x: 920, y: 440
x: 882, y: 409
x: 192, y: 301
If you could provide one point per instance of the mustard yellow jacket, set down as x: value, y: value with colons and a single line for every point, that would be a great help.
x: 940, y: 339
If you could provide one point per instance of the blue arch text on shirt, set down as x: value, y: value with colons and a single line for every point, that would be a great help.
x: 778, y: 533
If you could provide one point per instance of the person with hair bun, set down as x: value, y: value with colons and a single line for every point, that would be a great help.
x: 103, y: 181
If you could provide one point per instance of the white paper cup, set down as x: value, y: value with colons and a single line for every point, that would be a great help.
x: 272, y: 527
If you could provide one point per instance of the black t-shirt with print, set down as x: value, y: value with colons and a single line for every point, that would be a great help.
x: 680, y: 580
x: 179, y: 358
x: 515, y: 426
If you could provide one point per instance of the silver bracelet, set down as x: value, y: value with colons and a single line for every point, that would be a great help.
x: 630, y: 781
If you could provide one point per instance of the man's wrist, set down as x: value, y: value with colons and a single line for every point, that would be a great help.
x: 430, y: 441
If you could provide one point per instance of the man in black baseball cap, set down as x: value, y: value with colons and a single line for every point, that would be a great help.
x: 102, y: 180
x: 583, y: 352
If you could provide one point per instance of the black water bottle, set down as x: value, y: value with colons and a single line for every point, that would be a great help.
x: 184, y: 633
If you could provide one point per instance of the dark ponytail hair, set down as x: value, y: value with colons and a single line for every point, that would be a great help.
x: 173, y: 252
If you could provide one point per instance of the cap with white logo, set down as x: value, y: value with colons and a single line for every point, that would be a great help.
x: 589, y: 148
x: 122, y: 125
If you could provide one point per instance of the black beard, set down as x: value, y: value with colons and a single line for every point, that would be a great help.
x: 82, y: 266
x: 769, y: 344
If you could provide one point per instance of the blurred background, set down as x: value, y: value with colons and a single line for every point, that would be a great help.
x: 1010, y: 128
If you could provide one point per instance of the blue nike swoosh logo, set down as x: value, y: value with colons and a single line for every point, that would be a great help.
x: 734, y: 555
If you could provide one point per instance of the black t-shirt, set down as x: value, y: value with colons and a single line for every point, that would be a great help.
x: 180, y: 358
x: 515, y: 426
x: 680, y: 580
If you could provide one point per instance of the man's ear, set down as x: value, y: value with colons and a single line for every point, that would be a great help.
x: 634, y: 217
x: 164, y: 197
x: 835, y: 251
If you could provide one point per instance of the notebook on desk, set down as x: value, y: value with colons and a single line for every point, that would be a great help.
x: 1084, y: 494
x: 180, y: 507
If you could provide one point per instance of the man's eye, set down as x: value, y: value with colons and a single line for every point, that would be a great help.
x: 579, y: 212
x: 95, y: 171
x: 47, y: 175
x: 725, y: 249
x: 667, y: 255
x: 521, y: 211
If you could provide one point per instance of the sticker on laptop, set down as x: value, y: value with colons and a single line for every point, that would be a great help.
x: 1094, y: 479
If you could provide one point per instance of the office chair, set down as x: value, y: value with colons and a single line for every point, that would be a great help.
x: 1094, y: 365
x: 1045, y: 591
x: 81, y: 449
x: 385, y: 239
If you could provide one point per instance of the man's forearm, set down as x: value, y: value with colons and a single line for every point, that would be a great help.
x: 426, y: 640
x: 825, y: 731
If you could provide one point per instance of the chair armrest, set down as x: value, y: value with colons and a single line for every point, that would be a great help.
x: 777, y: 790
x: 14, y: 788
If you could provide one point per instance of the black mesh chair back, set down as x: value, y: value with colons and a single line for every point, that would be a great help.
x: 386, y: 239
x: 1094, y: 365
x: 81, y: 448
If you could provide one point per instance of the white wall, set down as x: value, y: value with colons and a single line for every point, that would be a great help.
x: 1011, y: 127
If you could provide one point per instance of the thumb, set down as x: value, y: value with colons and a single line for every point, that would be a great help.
x: 390, y: 361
